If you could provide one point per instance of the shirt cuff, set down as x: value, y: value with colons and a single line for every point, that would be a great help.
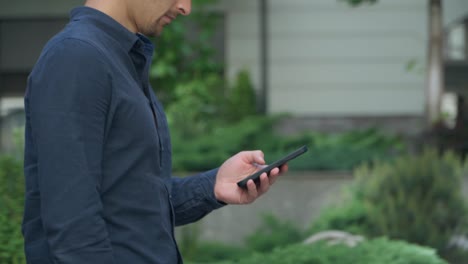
x: 207, y: 182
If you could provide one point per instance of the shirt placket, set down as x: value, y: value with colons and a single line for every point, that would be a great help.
x: 162, y: 130
x: 143, y: 72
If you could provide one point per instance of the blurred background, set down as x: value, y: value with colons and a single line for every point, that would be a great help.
x: 377, y: 89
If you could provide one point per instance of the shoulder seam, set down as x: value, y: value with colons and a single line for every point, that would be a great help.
x: 90, y: 43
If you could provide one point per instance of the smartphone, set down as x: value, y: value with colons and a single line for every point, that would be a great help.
x: 256, y: 176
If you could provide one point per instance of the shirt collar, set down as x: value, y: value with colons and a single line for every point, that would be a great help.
x: 146, y: 45
x: 122, y: 35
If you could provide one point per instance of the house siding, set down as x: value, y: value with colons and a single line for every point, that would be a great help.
x: 325, y: 58
x: 14, y: 9
x: 329, y: 59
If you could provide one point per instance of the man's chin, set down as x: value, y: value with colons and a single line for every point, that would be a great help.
x: 158, y: 32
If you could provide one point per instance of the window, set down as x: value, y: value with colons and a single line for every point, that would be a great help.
x: 456, y: 42
x: 11, y: 124
x: 21, y: 41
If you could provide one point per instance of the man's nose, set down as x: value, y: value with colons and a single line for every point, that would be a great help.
x: 184, y: 7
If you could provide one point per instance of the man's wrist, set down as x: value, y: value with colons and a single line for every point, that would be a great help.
x: 214, y: 196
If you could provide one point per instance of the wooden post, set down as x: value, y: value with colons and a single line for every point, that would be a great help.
x: 264, y: 60
x: 435, y: 78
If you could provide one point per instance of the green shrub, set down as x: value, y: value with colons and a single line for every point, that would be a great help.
x: 378, y: 251
x: 184, y: 52
x: 193, y: 249
x: 273, y: 233
x: 351, y: 217
x: 344, y: 151
x: 242, y: 100
x: 196, y: 106
x: 11, y: 210
x: 207, y: 252
x: 416, y: 198
x: 212, y: 149
x: 326, y: 151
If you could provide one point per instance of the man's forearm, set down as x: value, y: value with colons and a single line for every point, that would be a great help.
x: 193, y: 197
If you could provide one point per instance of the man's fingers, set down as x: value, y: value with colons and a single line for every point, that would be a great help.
x: 264, y: 183
x: 274, y: 175
x: 254, y: 156
x: 266, y: 180
x: 275, y: 171
x: 251, y: 191
x: 284, y: 168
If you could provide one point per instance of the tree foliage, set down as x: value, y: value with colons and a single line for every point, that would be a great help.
x: 11, y: 210
x: 184, y: 52
x: 416, y: 198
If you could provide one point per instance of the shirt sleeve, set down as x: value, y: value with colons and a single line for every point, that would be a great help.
x: 69, y: 94
x: 193, y: 197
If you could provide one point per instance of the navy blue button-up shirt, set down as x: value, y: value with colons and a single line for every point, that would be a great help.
x: 99, y: 187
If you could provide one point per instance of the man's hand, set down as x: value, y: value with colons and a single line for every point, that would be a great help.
x: 237, y: 168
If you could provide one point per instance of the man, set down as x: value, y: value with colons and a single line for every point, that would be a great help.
x: 98, y: 155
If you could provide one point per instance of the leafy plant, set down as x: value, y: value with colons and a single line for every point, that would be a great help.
x: 11, y: 204
x: 378, y: 251
x: 196, y: 107
x: 210, y: 150
x: 184, y: 52
x: 326, y: 152
x: 351, y: 217
x: 208, y: 252
x: 273, y: 233
x: 193, y: 249
x: 416, y: 198
x: 241, y: 99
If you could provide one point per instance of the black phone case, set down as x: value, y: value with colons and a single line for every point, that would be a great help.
x: 256, y: 176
